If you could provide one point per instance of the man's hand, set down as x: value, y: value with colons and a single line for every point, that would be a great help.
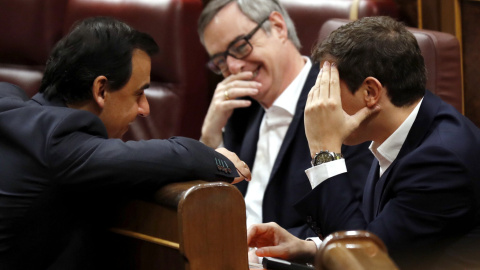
x: 242, y: 167
x: 327, y: 125
x: 224, y: 101
x: 271, y: 240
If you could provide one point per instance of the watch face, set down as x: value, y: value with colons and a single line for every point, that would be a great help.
x: 323, y: 157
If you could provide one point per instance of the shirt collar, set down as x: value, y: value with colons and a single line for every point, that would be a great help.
x: 388, y: 151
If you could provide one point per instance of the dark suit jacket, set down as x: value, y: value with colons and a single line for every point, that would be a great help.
x: 288, y: 182
x: 59, y: 176
x: 425, y: 203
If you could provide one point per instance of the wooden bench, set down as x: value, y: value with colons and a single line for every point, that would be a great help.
x: 192, y: 225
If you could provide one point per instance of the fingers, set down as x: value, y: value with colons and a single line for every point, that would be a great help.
x: 271, y: 240
x: 244, y: 172
x: 227, y: 96
x: 273, y: 251
x: 242, y: 168
x: 324, y: 89
x: 259, y: 235
x: 224, y: 101
x: 251, y: 234
x: 327, y: 84
x: 242, y: 76
x: 315, y: 91
x: 230, y: 105
x: 236, y: 89
x: 334, y: 83
x: 237, y: 85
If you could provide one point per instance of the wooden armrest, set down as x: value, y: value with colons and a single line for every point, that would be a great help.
x: 353, y: 250
x: 191, y: 225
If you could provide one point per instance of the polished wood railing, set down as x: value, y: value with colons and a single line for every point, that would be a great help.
x: 193, y: 225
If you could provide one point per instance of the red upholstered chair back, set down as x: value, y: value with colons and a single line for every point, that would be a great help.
x: 441, y: 52
x: 178, y: 94
x: 308, y: 16
x: 28, y: 31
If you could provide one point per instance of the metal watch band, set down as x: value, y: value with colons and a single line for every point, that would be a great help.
x: 325, y: 156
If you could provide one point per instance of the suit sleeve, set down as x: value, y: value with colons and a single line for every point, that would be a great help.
x: 82, y: 158
x: 358, y: 160
x: 427, y: 192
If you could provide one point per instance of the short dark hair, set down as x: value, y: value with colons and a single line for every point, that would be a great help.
x: 379, y: 47
x: 255, y: 10
x: 95, y: 46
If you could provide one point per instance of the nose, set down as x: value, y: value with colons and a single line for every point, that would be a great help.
x: 143, y: 106
x: 234, y: 65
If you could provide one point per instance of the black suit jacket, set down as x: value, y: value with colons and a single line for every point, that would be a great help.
x: 288, y: 182
x: 60, y: 176
x: 426, y: 205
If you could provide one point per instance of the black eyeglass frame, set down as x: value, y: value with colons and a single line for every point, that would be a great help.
x: 217, y: 70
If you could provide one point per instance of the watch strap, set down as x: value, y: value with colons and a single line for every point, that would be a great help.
x: 325, y: 156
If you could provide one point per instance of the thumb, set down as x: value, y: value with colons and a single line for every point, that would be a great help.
x: 270, y: 251
x: 363, y: 114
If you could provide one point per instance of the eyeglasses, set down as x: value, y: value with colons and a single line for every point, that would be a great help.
x: 238, y: 48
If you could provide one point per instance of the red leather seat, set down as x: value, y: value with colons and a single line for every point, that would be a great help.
x: 29, y: 31
x: 308, y: 16
x: 178, y: 96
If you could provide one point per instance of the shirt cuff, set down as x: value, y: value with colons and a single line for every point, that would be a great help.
x: 316, y: 240
x: 320, y: 173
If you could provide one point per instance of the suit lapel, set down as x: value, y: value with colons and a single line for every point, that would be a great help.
x: 420, y: 128
x: 379, y: 189
x: 368, y: 194
x: 249, y: 145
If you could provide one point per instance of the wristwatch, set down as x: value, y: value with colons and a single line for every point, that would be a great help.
x: 324, y: 157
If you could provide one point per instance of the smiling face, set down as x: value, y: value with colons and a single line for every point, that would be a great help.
x: 122, y: 106
x: 264, y: 61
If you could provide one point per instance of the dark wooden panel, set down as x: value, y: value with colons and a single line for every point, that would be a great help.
x: 471, y: 58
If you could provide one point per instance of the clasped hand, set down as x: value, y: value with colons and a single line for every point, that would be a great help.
x: 224, y: 101
x: 271, y: 240
x: 242, y: 168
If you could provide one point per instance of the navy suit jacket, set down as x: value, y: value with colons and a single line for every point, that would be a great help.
x: 425, y: 207
x: 288, y: 182
x: 59, y: 175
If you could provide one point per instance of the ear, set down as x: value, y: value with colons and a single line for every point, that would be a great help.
x: 99, y: 90
x: 372, y: 90
x: 278, y: 26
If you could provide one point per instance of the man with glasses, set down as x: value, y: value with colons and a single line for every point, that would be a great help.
x: 257, y: 110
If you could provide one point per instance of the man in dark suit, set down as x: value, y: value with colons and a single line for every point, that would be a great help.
x: 422, y: 196
x: 257, y: 110
x: 62, y: 165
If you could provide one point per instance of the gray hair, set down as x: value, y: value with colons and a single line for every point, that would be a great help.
x: 255, y: 10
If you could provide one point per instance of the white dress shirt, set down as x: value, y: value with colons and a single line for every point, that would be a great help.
x: 272, y: 131
x: 388, y: 151
x: 385, y: 153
